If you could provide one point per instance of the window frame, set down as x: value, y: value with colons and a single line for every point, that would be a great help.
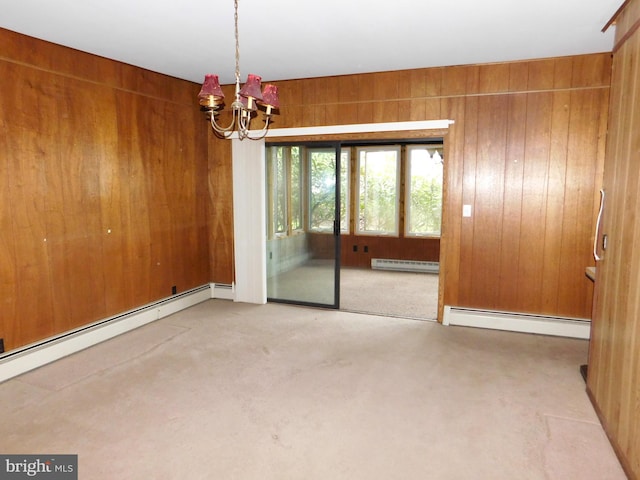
x: 376, y: 148
x: 407, y: 188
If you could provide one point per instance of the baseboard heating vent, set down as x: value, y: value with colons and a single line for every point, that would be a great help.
x: 24, y: 359
x: 404, y: 265
x: 223, y: 290
x: 517, y: 322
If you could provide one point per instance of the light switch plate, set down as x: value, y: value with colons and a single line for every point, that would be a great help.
x: 466, y: 210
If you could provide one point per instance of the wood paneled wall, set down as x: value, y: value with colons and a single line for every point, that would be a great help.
x: 526, y: 152
x: 103, y: 194
x: 614, y: 357
x: 358, y: 250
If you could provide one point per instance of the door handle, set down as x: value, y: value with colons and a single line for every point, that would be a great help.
x: 595, y: 240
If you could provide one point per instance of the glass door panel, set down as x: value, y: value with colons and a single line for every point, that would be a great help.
x: 302, y: 229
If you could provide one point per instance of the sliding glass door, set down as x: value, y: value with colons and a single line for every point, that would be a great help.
x: 303, y: 232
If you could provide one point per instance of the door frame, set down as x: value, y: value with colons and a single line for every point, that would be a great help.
x: 335, y: 234
x: 249, y: 203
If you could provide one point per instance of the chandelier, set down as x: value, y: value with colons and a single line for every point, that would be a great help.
x: 248, y: 100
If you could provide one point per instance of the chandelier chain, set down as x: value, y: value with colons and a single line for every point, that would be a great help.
x: 235, y: 3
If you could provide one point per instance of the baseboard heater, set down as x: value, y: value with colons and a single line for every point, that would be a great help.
x: 404, y: 265
x: 22, y: 360
x: 224, y: 291
x: 517, y: 322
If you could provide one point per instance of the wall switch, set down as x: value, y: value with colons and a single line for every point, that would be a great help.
x: 466, y: 210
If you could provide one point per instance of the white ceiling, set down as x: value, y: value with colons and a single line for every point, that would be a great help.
x: 286, y: 39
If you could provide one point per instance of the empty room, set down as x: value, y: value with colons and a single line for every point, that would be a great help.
x: 330, y: 240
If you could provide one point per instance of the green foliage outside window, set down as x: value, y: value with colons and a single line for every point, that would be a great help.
x: 322, y: 189
x: 424, y: 191
x: 378, y: 190
x: 296, y: 189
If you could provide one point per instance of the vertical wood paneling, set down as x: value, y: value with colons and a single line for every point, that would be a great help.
x: 450, y: 260
x: 518, y: 76
x: 614, y: 355
x: 470, y: 143
x: 494, y: 78
x: 512, y: 201
x: 489, y: 195
x: 454, y: 81
x: 525, y: 152
x: 541, y: 74
x: 534, y: 201
x: 557, y: 202
x: 8, y: 272
x: 27, y: 143
x: 72, y: 204
x: 220, y: 215
x: 105, y: 207
x: 579, y: 188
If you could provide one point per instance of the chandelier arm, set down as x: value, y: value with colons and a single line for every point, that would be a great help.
x: 262, y: 132
x: 244, y: 120
x: 223, y: 130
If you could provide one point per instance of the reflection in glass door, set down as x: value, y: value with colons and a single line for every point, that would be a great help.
x: 303, y: 247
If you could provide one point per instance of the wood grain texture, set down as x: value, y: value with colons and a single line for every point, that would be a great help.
x: 614, y: 355
x: 526, y: 152
x: 220, y: 214
x: 105, y: 203
x: 398, y: 248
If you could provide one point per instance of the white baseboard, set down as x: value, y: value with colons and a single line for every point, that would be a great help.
x: 36, y: 355
x: 223, y: 291
x: 515, y: 322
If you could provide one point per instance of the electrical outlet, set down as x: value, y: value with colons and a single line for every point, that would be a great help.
x: 1, y: 345
x: 355, y: 248
x: 366, y: 249
x: 174, y: 290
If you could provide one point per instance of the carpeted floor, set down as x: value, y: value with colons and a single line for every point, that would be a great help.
x: 226, y: 390
x: 379, y: 292
x: 397, y: 294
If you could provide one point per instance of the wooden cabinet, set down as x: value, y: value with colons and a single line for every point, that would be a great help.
x: 614, y: 359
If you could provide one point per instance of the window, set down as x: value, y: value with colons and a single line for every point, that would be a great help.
x: 423, y: 190
x: 322, y: 184
x: 296, y: 189
x: 284, y: 177
x: 378, y: 187
x: 345, y: 170
x: 396, y: 189
x: 276, y: 174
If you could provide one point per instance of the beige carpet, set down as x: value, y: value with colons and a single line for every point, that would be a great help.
x: 400, y: 294
x: 236, y: 391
